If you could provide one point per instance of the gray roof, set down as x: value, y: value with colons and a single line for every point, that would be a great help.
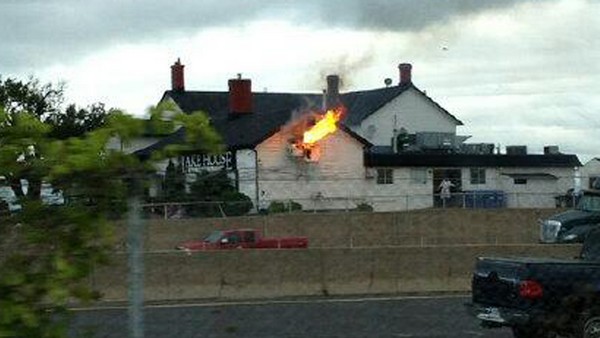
x: 362, y: 104
x: 271, y: 111
x: 469, y: 160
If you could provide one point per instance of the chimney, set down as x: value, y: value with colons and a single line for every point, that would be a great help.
x: 177, y: 82
x: 240, y: 96
x: 333, y: 91
x: 405, y: 73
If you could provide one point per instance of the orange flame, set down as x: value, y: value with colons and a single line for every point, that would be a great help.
x: 325, y: 126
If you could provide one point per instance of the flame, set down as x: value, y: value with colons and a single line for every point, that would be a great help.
x: 325, y: 126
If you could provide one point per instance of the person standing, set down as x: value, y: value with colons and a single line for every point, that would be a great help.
x: 445, y: 191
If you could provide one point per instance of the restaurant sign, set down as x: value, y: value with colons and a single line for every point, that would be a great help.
x: 197, y: 162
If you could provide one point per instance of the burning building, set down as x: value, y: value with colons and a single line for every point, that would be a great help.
x: 335, y: 150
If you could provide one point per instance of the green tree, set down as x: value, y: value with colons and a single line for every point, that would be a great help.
x: 75, y: 122
x: 46, y: 252
x: 174, y: 183
x: 216, y: 187
x: 43, y: 103
x: 31, y: 97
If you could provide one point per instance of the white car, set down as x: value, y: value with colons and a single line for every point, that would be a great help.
x: 48, y: 195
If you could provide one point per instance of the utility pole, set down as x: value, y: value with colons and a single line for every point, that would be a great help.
x: 135, y: 229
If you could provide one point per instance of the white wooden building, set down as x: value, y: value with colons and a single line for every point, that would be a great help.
x: 393, y: 147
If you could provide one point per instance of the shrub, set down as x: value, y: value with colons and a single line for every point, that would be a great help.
x: 364, y: 207
x: 280, y: 207
x: 237, y: 204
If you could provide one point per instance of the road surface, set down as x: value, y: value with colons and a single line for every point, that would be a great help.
x: 431, y: 317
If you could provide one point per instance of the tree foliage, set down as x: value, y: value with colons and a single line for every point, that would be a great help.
x: 29, y: 106
x: 216, y: 187
x: 74, y: 122
x: 32, y: 97
x: 48, y: 251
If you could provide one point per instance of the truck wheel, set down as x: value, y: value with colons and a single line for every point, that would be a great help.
x: 531, y: 332
x: 591, y: 328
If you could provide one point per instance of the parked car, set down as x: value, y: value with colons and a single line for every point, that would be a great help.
x: 242, y: 239
x: 540, y: 297
x: 573, y: 225
x: 48, y: 195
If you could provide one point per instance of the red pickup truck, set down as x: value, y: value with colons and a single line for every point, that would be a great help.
x: 242, y: 239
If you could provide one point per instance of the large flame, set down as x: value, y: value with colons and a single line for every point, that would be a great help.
x: 325, y: 126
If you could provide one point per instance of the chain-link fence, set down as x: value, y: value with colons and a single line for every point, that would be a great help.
x: 358, y: 230
x: 470, y: 200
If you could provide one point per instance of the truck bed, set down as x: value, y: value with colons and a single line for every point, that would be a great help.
x: 496, y: 280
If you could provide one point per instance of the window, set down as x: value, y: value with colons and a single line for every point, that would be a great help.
x: 385, y: 176
x: 594, y: 182
x: 477, y: 175
x: 234, y: 238
x: 418, y: 176
x: 520, y: 181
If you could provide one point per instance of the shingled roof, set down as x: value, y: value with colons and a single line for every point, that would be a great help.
x: 273, y: 110
x: 362, y: 104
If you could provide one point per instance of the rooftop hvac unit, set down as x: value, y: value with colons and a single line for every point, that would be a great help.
x: 433, y: 140
x: 551, y: 150
x: 477, y: 148
x: 516, y: 150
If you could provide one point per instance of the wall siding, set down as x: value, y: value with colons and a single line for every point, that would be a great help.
x: 536, y: 193
x: 410, y: 110
x: 589, y: 171
x: 338, y: 180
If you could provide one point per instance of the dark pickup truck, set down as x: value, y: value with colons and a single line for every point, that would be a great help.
x: 573, y: 225
x: 540, y: 297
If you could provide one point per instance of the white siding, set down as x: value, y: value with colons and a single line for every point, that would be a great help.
x: 405, y: 193
x: 537, y: 193
x: 246, y: 167
x: 338, y: 180
x: 410, y: 110
x: 136, y: 144
x: 339, y: 173
x: 590, y: 171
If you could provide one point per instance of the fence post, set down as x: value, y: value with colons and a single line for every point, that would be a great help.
x: 135, y: 260
x: 221, y: 210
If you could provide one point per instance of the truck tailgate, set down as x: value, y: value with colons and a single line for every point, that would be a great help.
x: 496, y: 282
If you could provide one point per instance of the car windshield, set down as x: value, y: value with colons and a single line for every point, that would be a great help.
x: 589, y: 203
x: 214, y: 237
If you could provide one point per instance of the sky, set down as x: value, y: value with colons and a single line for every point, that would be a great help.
x: 516, y: 72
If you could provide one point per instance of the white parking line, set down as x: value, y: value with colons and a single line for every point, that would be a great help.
x: 273, y: 302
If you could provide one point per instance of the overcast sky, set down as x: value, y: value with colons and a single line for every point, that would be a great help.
x: 515, y: 72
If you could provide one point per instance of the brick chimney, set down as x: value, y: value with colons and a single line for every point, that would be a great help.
x: 405, y: 73
x: 332, y: 96
x: 177, y: 81
x: 240, y: 96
